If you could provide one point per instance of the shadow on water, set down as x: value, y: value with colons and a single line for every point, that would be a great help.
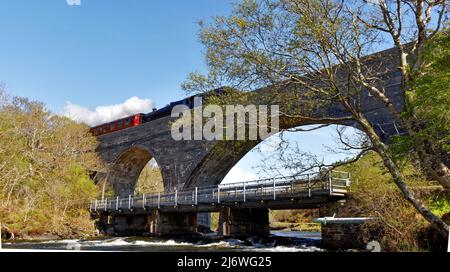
x: 279, y: 241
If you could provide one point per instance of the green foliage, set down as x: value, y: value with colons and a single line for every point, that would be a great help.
x: 79, y: 186
x: 429, y: 97
x: 400, y: 148
x: 214, y: 221
x: 44, y: 162
x: 293, y: 216
x: 373, y: 193
x: 440, y: 205
x: 150, y: 180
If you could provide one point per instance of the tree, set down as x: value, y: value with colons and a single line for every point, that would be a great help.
x: 44, y: 169
x: 429, y: 97
x: 317, y: 49
x: 411, y: 41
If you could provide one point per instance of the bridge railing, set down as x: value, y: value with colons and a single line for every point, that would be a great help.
x: 305, y: 185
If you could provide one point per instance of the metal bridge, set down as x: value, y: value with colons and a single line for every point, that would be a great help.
x: 302, y: 191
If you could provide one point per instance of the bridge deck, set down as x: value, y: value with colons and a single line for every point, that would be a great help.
x: 305, y: 191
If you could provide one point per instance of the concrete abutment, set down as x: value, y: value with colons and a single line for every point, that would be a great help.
x: 343, y: 232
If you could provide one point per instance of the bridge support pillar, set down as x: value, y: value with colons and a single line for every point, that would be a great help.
x: 154, y: 223
x: 243, y: 222
x: 122, y: 224
x: 182, y: 223
x: 331, y: 209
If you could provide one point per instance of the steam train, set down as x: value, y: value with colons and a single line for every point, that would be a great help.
x: 130, y: 121
x: 141, y: 118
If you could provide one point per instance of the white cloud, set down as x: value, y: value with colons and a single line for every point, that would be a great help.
x: 237, y: 174
x: 73, y: 2
x: 105, y: 114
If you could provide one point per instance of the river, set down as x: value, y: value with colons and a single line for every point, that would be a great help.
x: 279, y: 241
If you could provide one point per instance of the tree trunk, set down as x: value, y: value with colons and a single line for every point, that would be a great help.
x: 433, y: 164
x: 430, y: 160
x: 398, y: 178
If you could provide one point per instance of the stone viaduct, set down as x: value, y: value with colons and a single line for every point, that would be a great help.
x: 186, y: 164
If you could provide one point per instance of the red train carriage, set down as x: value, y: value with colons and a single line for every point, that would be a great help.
x: 130, y: 121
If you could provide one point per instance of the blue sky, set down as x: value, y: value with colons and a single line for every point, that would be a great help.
x: 103, y: 52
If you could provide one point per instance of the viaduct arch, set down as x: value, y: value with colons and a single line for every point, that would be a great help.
x: 186, y: 164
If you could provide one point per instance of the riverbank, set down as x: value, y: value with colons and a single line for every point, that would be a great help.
x: 10, y: 237
x: 286, y: 226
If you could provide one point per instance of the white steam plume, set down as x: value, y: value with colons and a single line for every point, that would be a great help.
x: 105, y: 114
